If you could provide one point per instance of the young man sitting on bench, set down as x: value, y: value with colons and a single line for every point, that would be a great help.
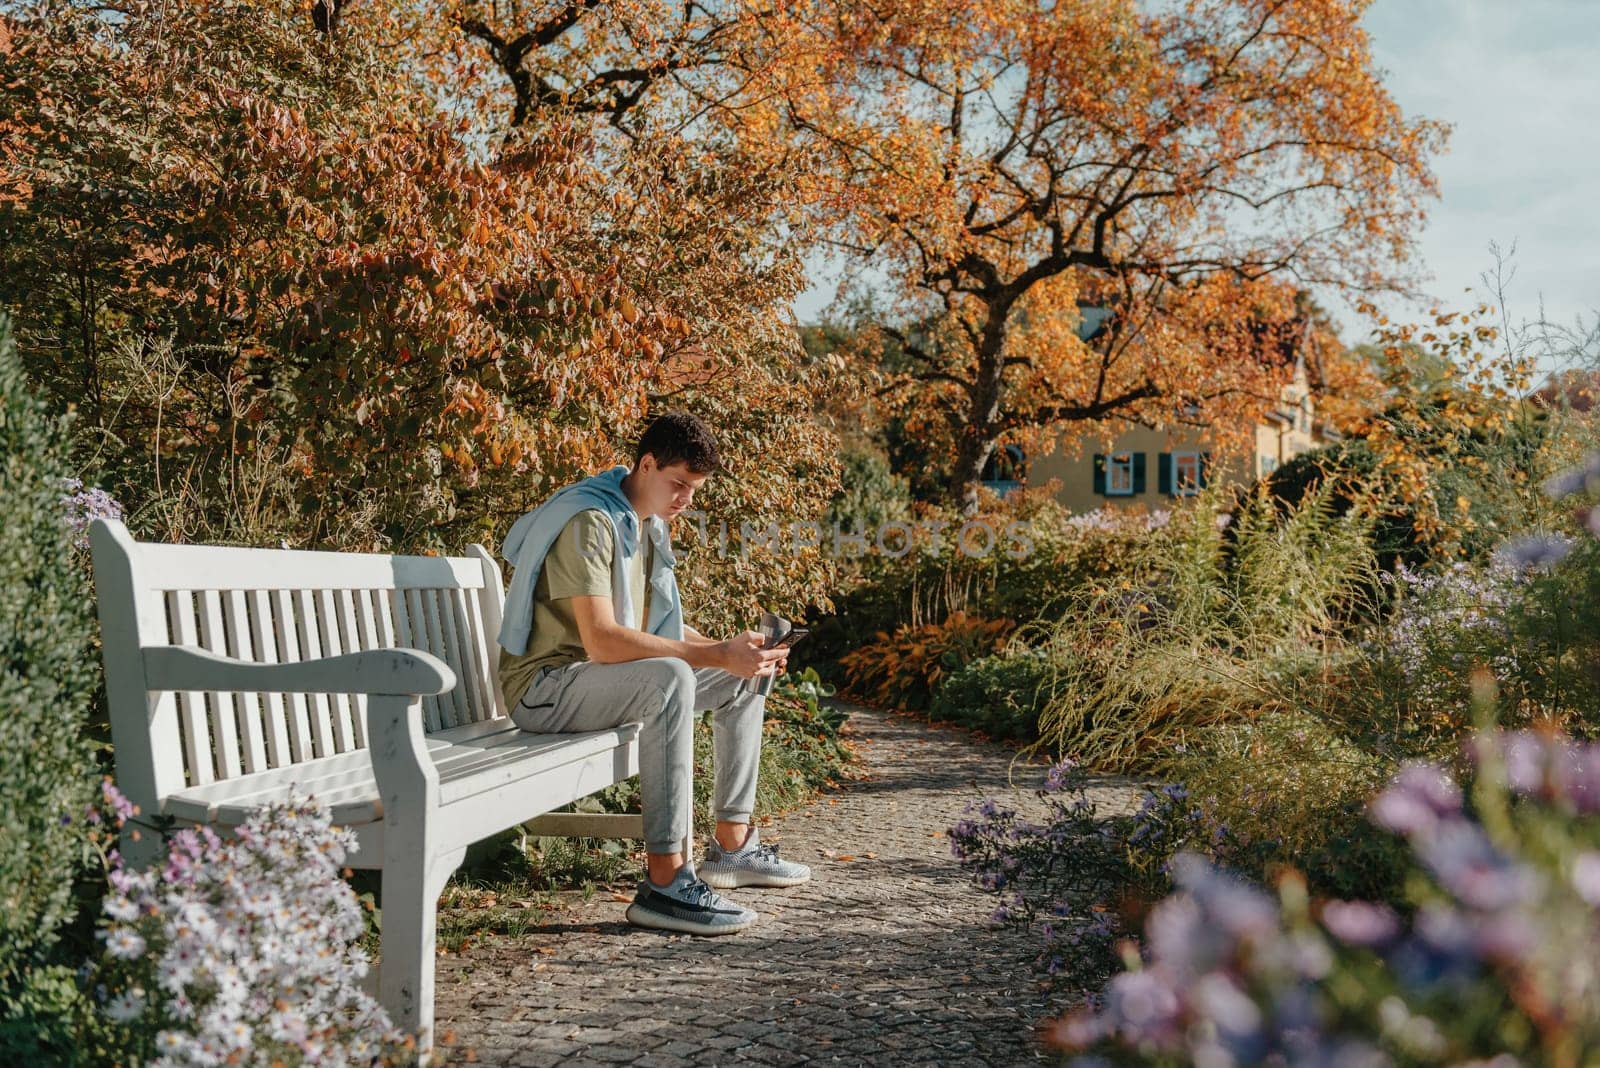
x: 593, y: 637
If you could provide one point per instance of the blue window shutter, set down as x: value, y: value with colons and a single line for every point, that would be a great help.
x: 1164, y: 476
x: 1138, y: 473
x: 1205, y: 468
x: 1100, y: 473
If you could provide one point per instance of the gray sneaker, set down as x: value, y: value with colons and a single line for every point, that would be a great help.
x: 753, y: 864
x: 688, y: 906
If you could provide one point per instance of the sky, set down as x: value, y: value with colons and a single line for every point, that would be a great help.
x: 1519, y: 82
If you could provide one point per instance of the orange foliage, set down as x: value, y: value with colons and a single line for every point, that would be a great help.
x: 903, y: 670
x: 1478, y: 391
x: 407, y: 320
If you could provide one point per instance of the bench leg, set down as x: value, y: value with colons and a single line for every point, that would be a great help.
x: 405, y: 970
x: 138, y: 854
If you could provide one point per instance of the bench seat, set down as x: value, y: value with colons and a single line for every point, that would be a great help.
x: 471, y: 759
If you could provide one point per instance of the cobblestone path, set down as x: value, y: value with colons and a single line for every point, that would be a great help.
x: 884, y: 957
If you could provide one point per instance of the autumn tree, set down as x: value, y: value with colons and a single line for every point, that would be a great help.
x: 1009, y: 166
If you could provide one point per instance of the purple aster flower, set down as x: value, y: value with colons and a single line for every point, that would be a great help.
x: 1505, y: 936
x: 1177, y: 936
x: 1443, y: 928
x: 1537, y: 552
x: 1469, y: 866
x: 1525, y: 755
x: 1574, y: 774
x: 1416, y: 798
x: 81, y: 507
x: 1056, y: 779
x: 114, y: 799
x: 1575, y: 479
x: 1143, y: 1006
x: 1229, y: 906
x: 1586, y: 876
x: 1360, y: 923
x: 1219, y: 998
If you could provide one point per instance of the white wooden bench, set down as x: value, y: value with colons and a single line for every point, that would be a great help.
x: 235, y: 675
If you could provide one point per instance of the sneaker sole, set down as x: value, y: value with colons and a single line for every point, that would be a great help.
x: 642, y: 917
x: 734, y: 880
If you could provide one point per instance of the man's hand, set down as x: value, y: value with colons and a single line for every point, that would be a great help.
x: 743, y: 655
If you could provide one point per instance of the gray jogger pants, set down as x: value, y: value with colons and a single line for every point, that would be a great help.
x: 662, y: 693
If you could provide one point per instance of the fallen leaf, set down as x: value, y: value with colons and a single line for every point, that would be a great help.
x: 870, y: 856
x: 621, y: 897
x: 845, y: 858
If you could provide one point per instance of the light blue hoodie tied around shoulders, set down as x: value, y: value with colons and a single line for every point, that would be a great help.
x: 530, y: 538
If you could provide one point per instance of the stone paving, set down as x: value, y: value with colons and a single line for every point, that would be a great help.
x: 885, y: 956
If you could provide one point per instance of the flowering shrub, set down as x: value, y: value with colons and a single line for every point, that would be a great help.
x: 1073, y: 872
x: 1445, y: 624
x: 83, y: 506
x: 1109, y: 520
x: 1526, y: 616
x: 242, y: 951
x: 1499, y: 957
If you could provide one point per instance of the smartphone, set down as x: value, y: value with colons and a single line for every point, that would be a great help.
x: 788, y: 639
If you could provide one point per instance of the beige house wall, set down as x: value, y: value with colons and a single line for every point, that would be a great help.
x: 1289, y: 430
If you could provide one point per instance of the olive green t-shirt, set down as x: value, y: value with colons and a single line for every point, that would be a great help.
x: 577, y: 565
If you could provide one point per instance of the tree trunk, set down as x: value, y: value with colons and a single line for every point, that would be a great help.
x: 972, y: 453
x: 975, y: 440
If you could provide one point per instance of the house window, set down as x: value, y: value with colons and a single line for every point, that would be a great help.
x: 1119, y: 475
x: 1185, y: 474
x: 1005, y: 464
x: 1269, y: 464
x: 1005, y: 469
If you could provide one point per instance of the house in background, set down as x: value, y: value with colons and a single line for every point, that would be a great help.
x: 1572, y: 389
x: 1154, y: 468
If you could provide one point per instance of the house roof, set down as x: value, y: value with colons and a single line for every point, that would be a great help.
x: 1576, y: 389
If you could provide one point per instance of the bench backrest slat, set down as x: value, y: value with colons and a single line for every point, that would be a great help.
x: 223, y: 707
x: 281, y: 606
x: 297, y: 706
x: 193, y: 723
x: 275, y: 716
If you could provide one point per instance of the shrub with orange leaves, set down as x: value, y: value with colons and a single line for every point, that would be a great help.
x: 293, y: 298
x: 903, y: 669
x: 347, y: 289
x: 1459, y: 445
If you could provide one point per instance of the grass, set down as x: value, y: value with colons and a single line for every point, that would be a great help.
x: 1213, y: 629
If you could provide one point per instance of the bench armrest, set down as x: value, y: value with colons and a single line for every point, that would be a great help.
x: 399, y: 672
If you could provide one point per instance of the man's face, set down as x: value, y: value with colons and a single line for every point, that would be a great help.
x: 666, y: 491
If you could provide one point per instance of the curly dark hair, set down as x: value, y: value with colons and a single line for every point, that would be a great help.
x: 679, y: 436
